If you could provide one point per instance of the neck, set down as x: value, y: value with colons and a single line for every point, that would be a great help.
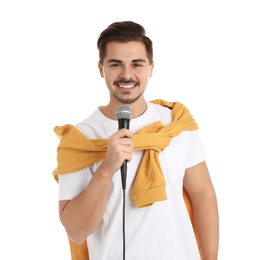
x: 137, y: 109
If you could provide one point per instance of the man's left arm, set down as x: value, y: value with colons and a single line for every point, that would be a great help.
x: 200, y: 189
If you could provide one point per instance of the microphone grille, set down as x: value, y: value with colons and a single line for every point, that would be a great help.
x: 124, y: 112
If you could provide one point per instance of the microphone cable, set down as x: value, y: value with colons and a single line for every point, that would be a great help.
x: 123, y: 223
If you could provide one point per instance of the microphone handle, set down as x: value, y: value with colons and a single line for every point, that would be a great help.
x: 123, y: 123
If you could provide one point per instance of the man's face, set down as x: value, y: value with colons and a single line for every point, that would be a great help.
x: 126, y: 70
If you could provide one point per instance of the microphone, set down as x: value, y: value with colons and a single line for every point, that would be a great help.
x: 123, y: 115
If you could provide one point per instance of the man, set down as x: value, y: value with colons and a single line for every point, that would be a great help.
x: 165, y: 160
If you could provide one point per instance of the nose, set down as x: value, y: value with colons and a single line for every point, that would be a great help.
x: 126, y: 73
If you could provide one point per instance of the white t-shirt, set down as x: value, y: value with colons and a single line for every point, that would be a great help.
x: 162, y: 231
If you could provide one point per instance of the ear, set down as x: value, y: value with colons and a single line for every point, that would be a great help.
x: 101, y: 69
x: 151, y: 70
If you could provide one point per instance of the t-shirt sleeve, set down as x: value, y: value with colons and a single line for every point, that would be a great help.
x: 72, y: 184
x: 196, y: 153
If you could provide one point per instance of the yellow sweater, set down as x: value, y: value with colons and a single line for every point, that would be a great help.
x: 76, y: 151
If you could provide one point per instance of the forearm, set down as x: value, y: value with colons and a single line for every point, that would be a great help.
x: 207, y: 225
x: 82, y: 215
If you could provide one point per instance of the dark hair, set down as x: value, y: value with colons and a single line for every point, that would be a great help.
x: 125, y: 31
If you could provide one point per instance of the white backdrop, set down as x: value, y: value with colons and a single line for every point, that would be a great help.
x: 213, y: 56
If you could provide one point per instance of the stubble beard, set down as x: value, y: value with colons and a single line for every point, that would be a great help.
x: 127, y: 100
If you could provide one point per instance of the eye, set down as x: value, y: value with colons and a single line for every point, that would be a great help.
x: 115, y: 65
x: 136, y: 65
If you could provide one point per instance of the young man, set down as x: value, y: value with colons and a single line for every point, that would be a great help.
x: 166, y: 166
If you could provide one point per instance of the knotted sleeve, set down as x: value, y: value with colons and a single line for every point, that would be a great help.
x: 75, y: 151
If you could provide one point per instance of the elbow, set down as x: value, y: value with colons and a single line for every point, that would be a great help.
x: 79, y: 235
x: 77, y: 241
x: 76, y: 237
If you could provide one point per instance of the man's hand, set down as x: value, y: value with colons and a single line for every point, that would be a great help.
x: 119, y: 149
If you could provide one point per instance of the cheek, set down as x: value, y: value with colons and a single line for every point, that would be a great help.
x: 108, y: 82
x: 111, y: 75
x: 148, y: 75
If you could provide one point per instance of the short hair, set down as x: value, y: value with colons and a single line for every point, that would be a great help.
x: 125, y: 31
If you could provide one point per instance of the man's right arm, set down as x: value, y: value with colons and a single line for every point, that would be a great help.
x: 82, y: 215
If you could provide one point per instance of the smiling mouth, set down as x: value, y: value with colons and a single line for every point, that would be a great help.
x: 126, y: 86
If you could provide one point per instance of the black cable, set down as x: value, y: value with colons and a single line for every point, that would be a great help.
x: 123, y: 224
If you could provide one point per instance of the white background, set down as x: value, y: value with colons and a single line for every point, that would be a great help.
x: 214, y: 56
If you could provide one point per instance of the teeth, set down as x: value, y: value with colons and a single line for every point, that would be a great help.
x: 126, y: 86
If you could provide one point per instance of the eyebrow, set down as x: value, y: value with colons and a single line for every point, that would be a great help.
x: 119, y: 61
